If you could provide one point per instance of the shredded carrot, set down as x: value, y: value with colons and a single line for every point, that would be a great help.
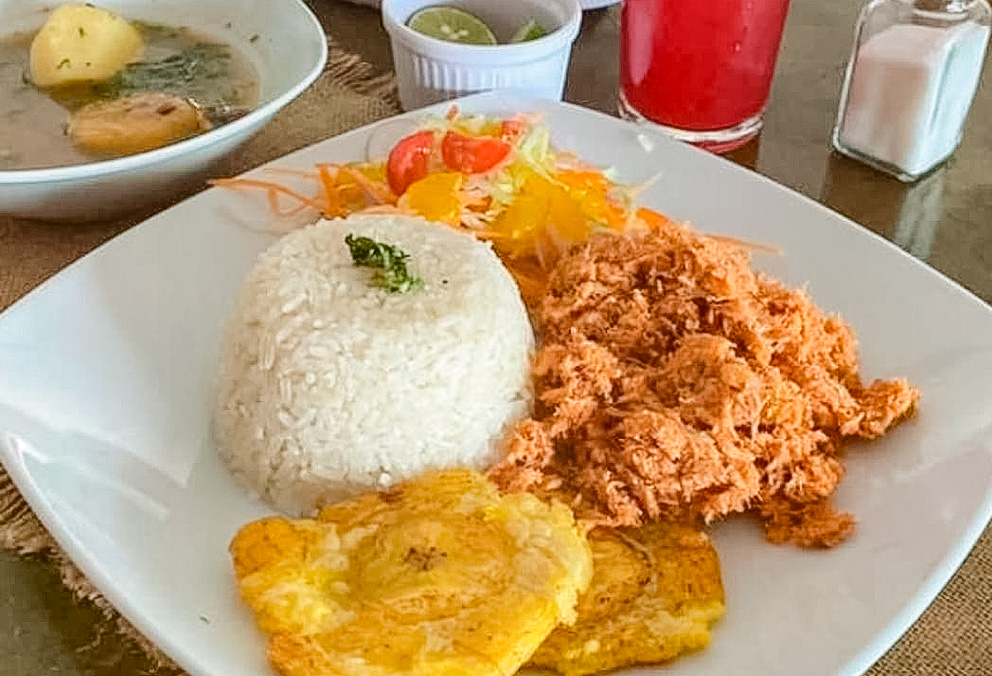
x: 745, y: 244
x: 273, y: 192
x: 332, y: 194
x: 285, y: 171
x: 653, y: 219
x: 376, y: 191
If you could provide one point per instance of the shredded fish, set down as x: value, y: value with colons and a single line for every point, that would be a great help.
x: 674, y: 380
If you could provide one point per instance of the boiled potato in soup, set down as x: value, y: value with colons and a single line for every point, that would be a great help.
x: 81, y: 43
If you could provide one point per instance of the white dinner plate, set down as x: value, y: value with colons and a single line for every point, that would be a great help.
x: 106, y: 372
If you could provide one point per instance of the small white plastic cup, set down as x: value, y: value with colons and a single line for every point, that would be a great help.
x: 429, y: 70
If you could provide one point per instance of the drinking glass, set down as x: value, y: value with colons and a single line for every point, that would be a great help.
x: 701, y: 70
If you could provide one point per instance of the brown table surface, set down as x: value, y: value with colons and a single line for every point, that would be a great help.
x: 944, y: 220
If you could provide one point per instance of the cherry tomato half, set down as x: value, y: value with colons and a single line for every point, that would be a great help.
x: 472, y: 154
x: 409, y: 161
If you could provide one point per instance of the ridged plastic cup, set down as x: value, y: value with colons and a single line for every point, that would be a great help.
x: 429, y: 70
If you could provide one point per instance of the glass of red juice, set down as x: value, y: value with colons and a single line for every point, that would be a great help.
x: 699, y: 69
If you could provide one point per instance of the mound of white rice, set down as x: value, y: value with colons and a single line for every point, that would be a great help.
x: 331, y: 386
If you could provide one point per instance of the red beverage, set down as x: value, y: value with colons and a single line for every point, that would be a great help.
x: 700, y: 65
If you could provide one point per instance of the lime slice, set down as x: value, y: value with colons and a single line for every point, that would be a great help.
x: 451, y: 24
x: 529, y: 31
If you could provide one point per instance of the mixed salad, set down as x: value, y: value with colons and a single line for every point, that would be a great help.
x: 499, y: 178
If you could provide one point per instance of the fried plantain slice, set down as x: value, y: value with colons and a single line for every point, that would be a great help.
x: 436, y: 576
x: 654, y: 595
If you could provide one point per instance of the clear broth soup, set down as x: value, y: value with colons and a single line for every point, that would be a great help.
x: 177, y: 60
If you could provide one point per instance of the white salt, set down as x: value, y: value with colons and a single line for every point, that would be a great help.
x: 910, y: 91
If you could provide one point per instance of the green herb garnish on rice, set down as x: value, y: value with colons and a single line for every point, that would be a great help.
x: 388, y: 264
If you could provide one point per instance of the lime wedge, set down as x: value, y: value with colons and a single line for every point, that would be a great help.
x: 452, y: 24
x: 529, y: 31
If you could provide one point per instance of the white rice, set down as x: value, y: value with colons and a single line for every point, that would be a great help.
x: 330, y: 386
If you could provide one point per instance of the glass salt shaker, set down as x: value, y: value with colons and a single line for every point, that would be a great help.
x: 910, y: 82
